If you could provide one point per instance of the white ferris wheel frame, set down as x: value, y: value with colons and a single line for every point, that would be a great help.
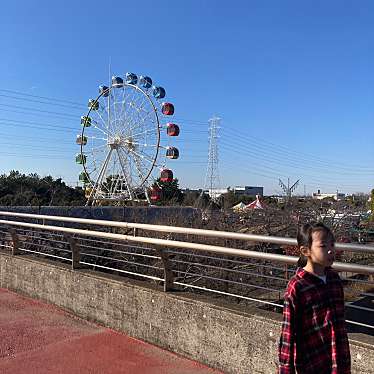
x: 97, y: 193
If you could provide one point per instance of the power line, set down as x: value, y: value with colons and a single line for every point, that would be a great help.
x: 40, y: 111
x: 40, y: 102
x: 42, y: 97
x: 28, y: 113
x: 266, y: 155
x: 36, y: 155
x: 31, y: 146
x: 277, y: 172
x: 196, y: 123
x: 268, y: 152
x: 260, y: 172
x: 47, y: 125
x: 280, y: 148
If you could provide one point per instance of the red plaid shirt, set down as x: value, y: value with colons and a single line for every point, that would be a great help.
x: 314, y: 337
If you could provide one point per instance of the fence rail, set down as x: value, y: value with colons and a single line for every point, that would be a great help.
x: 182, y: 261
x: 185, y: 230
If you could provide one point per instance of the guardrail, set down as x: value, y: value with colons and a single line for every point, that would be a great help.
x: 181, y: 260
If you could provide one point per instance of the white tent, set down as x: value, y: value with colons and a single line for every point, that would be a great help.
x: 239, y: 207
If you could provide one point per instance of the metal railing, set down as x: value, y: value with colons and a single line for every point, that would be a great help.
x: 239, y: 271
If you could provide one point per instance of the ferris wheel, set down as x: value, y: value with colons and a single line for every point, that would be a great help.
x: 124, y: 141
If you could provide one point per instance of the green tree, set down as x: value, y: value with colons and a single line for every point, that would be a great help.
x: 190, y: 198
x: 229, y: 199
x: 171, y: 193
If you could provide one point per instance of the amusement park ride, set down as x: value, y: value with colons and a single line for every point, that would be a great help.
x: 123, y: 143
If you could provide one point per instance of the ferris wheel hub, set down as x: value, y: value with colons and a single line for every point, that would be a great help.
x: 115, y: 141
x: 129, y: 144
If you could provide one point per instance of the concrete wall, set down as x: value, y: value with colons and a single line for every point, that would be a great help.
x: 234, y: 341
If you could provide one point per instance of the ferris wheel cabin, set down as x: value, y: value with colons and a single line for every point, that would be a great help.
x: 93, y: 104
x: 167, y: 109
x: 83, y: 177
x: 172, y: 129
x: 166, y: 175
x: 87, y: 192
x: 145, y: 82
x: 80, y: 159
x: 104, y: 91
x: 159, y: 92
x: 131, y: 78
x: 117, y: 82
x: 156, y: 193
x: 172, y: 153
x: 85, y: 121
x: 81, y: 140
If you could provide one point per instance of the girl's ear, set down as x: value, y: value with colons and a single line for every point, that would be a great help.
x: 304, y: 250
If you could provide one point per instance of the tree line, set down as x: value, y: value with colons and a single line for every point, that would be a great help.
x: 17, y: 189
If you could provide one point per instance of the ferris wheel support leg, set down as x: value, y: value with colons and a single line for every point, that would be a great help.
x: 147, y: 196
x: 93, y: 194
x: 124, y: 175
x: 115, y: 188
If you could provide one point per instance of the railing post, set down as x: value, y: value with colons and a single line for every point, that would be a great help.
x: 286, y: 271
x: 75, y: 252
x: 15, y: 241
x: 168, y: 273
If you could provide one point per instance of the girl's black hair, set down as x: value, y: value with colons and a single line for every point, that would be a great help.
x: 304, y: 237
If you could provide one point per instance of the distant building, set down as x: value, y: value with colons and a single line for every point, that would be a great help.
x: 279, y: 199
x: 238, y: 190
x: 248, y: 190
x: 217, y: 192
x: 336, y: 196
x: 190, y: 190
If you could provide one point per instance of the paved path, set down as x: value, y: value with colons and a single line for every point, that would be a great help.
x: 37, y: 338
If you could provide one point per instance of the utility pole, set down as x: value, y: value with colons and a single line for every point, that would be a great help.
x: 212, y: 179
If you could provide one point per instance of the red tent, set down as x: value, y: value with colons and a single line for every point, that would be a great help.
x: 257, y: 204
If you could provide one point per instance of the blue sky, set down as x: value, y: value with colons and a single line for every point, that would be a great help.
x: 292, y: 81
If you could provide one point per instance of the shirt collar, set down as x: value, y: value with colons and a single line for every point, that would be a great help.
x: 301, y: 273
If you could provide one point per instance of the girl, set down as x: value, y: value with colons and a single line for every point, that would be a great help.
x: 314, y: 338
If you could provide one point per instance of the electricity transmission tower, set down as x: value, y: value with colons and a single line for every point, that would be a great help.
x: 287, y: 189
x: 212, y: 180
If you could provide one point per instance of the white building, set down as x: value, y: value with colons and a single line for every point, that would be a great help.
x: 238, y: 190
x: 217, y: 192
x: 336, y: 196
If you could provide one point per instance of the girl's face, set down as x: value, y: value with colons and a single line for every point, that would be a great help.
x: 322, y: 250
